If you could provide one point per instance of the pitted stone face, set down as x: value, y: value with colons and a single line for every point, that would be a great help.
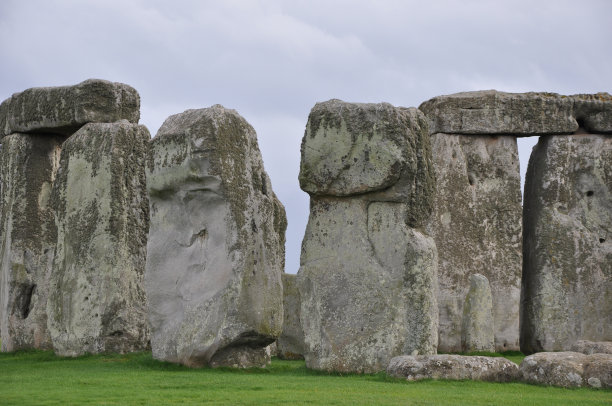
x: 216, y: 243
x: 567, y: 266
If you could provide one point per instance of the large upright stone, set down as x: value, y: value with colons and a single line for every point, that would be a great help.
x: 476, y: 224
x: 28, y: 164
x: 522, y: 114
x: 367, y: 278
x: 290, y: 344
x: 567, y: 268
x: 216, y: 243
x: 97, y: 301
x: 64, y: 109
x: 477, y: 331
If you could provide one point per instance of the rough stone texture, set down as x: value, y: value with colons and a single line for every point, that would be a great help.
x: 493, y: 112
x: 96, y: 300
x: 454, y: 367
x: 477, y: 331
x: 290, y: 344
x: 476, y: 224
x: 567, y: 270
x: 64, y: 109
x: 368, y: 276
x: 28, y: 164
x: 592, y: 347
x: 568, y: 369
x: 216, y: 244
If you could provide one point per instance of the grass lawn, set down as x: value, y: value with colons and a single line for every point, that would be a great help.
x: 41, y: 378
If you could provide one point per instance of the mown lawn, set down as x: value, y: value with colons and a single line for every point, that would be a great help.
x: 41, y: 378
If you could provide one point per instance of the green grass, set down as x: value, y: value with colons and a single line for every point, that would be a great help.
x: 41, y: 378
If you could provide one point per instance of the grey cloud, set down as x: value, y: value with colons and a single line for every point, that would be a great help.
x: 272, y: 60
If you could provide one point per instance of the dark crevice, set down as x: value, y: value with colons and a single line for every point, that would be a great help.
x: 590, y: 193
x: 602, y: 240
x: 25, y: 301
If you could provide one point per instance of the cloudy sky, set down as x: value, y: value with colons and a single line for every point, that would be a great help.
x: 273, y: 60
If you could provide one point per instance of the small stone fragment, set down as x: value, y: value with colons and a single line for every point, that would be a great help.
x: 453, y: 367
x: 64, y: 109
x: 216, y: 243
x: 567, y: 264
x: 96, y: 300
x: 28, y: 164
x: 477, y: 327
x: 290, y: 344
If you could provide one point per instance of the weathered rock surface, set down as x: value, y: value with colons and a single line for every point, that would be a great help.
x: 367, y: 278
x: 493, y: 112
x: 476, y: 224
x: 64, y: 109
x: 28, y: 164
x: 454, y: 367
x: 96, y: 300
x: 567, y: 272
x: 592, y: 347
x: 477, y: 332
x: 568, y: 369
x: 216, y: 243
x: 290, y: 344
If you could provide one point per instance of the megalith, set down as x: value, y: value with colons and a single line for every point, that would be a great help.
x: 290, y: 344
x: 28, y: 164
x: 96, y: 300
x: 476, y: 220
x: 64, y: 109
x: 367, y: 274
x: 567, y: 268
x: 216, y: 243
x: 33, y: 125
x: 477, y: 330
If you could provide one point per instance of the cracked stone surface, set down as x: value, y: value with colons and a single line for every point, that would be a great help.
x: 64, y: 109
x: 28, y: 164
x: 367, y: 278
x: 490, y: 112
x: 476, y: 223
x: 216, y: 244
x: 96, y: 299
x: 567, y: 268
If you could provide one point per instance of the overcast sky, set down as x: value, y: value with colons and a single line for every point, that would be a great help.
x: 273, y: 60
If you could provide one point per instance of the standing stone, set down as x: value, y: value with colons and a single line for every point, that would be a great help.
x: 476, y: 224
x: 567, y: 272
x: 96, y: 301
x: 290, y: 344
x: 28, y: 164
x: 477, y: 332
x: 216, y: 244
x: 64, y: 109
x: 368, y: 273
